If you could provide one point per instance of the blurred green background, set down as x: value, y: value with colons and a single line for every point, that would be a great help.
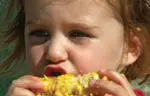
x: 4, y: 52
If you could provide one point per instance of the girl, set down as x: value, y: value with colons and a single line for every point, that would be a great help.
x: 81, y: 36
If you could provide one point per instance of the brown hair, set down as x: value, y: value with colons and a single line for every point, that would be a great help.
x: 133, y: 14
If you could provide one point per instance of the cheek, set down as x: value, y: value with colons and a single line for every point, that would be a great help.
x: 97, y: 57
x: 34, y: 55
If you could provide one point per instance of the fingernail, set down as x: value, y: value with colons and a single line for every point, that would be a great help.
x: 103, y: 70
x: 92, y: 83
x: 38, y: 85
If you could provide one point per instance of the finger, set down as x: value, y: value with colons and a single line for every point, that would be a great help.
x: 20, y: 92
x: 36, y: 88
x: 119, y: 79
x: 112, y: 75
x: 31, y: 77
x: 27, y: 82
x: 101, y: 87
x: 127, y: 86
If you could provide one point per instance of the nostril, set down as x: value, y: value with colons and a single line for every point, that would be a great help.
x: 52, y: 62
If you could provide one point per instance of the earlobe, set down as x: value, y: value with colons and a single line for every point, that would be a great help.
x: 134, y: 49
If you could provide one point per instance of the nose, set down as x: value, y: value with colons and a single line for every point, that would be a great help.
x: 56, y: 51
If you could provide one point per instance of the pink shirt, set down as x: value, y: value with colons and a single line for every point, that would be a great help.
x: 138, y: 93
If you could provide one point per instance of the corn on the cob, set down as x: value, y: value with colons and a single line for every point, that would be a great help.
x: 67, y: 85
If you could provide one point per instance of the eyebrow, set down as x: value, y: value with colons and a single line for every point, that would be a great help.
x: 33, y: 22
x: 80, y: 25
x: 66, y: 24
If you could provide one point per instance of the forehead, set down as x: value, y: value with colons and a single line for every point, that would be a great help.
x: 72, y: 6
x: 89, y: 12
x: 63, y: 2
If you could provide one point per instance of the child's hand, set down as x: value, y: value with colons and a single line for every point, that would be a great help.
x: 24, y: 85
x: 117, y: 85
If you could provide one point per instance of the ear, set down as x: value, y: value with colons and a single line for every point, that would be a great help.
x: 134, y: 48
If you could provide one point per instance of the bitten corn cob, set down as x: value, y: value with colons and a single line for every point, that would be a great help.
x: 67, y: 85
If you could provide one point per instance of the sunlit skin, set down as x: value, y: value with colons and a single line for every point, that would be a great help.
x: 80, y: 38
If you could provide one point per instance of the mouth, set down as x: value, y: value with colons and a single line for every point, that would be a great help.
x: 54, y: 71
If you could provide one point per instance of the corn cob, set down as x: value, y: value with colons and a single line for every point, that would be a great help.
x: 67, y: 85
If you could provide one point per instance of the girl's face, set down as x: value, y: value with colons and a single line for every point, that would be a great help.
x: 77, y: 36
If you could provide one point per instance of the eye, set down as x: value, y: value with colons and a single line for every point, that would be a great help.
x: 39, y: 33
x: 37, y: 37
x: 79, y: 37
x: 77, y: 33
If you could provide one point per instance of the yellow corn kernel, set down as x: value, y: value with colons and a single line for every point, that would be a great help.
x: 49, y: 83
x: 67, y: 85
x: 91, y: 94
x: 58, y: 93
x: 105, y: 78
x: 79, y: 89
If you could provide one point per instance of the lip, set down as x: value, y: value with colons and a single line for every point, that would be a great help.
x: 54, y: 71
